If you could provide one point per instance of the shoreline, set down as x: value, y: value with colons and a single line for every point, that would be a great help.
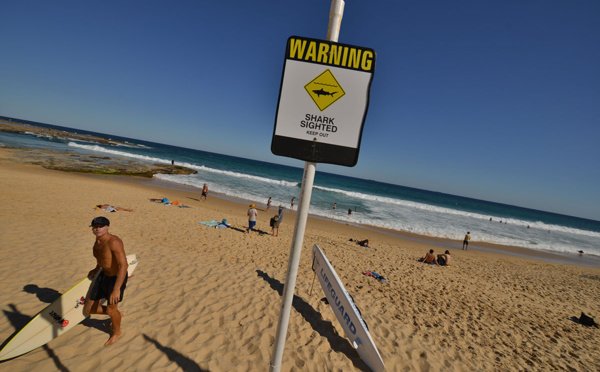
x: 543, y: 255
x: 207, y: 299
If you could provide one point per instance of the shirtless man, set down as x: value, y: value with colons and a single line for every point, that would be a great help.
x: 204, y: 192
x: 430, y: 258
x: 444, y: 259
x: 111, y: 282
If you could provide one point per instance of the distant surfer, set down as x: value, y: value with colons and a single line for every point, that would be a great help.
x: 466, y: 241
x: 204, y: 192
x: 112, y: 280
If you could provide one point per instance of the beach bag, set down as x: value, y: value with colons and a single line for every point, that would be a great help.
x: 272, y: 222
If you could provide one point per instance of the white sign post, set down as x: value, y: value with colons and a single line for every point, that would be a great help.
x: 320, y: 115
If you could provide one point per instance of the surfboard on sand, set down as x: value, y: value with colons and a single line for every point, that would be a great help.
x: 346, y: 311
x: 59, y: 317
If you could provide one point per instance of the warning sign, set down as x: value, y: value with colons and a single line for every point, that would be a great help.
x: 323, y: 101
x: 324, y: 90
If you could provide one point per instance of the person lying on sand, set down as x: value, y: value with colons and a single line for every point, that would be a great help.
x: 364, y: 243
x: 110, y: 208
x: 429, y: 258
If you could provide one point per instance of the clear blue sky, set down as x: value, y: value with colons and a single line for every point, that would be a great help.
x: 496, y: 100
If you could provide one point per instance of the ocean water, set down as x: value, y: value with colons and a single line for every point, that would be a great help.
x: 372, y: 203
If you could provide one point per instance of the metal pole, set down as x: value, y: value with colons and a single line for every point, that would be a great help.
x: 292, y: 270
x: 335, y: 19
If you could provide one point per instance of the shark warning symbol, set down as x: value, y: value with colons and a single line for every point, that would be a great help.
x: 324, y: 90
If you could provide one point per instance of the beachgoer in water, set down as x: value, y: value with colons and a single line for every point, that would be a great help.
x: 269, y: 203
x: 111, y: 262
x: 204, y: 192
x: 334, y: 205
x: 466, y: 241
x: 110, y: 208
x: 349, y: 212
x: 252, y: 214
x: 444, y: 259
x: 293, y: 201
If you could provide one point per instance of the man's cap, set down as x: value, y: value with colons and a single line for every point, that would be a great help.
x: 100, y: 221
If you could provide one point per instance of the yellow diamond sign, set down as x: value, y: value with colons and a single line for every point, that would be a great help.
x: 324, y: 90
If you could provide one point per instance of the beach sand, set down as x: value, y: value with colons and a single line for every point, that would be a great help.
x: 206, y: 299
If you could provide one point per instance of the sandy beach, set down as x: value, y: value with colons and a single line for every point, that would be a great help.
x: 206, y: 299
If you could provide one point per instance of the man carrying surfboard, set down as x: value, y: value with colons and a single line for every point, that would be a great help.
x: 112, y: 276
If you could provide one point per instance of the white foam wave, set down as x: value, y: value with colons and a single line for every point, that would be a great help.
x: 98, y: 148
x: 203, y: 168
x: 448, y: 211
x: 560, y: 242
x: 248, y: 176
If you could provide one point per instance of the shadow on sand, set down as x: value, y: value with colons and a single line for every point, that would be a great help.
x: 47, y: 295
x: 323, y: 327
x: 182, y: 361
x: 19, y: 320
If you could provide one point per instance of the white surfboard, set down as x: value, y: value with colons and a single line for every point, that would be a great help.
x: 59, y: 317
x: 346, y: 312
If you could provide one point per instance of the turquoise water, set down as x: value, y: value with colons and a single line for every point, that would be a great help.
x: 372, y: 203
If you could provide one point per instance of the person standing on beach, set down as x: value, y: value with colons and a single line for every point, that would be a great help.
x: 204, y: 192
x: 269, y: 203
x: 275, y: 222
x: 252, y: 214
x: 293, y: 201
x: 466, y: 241
x: 112, y: 279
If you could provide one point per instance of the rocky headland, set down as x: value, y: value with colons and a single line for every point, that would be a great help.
x: 70, y: 161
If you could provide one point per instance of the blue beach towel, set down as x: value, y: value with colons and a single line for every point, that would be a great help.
x: 210, y: 223
x: 216, y: 224
x: 375, y: 275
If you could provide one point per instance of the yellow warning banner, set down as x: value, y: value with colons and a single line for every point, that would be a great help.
x: 330, y: 53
